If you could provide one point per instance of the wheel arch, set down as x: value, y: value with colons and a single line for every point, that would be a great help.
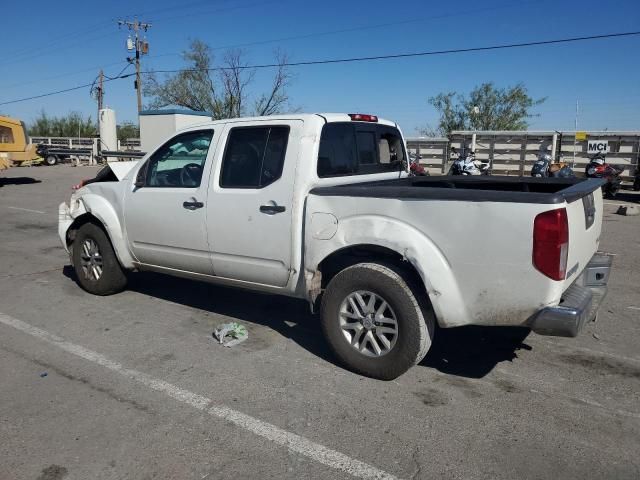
x: 351, y: 255
x: 385, y: 238
x: 95, y: 209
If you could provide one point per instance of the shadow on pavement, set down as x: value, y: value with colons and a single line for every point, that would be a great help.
x: 289, y: 317
x: 474, y: 351
x: 625, y: 196
x: 465, y: 351
x: 17, y: 181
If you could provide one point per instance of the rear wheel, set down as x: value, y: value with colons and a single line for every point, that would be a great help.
x: 94, y: 260
x: 377, y: 323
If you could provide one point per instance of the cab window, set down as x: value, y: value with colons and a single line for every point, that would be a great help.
x: 180, y: 161
x: 254, y: 156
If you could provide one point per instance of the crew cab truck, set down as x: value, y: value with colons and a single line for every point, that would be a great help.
x: 321, y: 207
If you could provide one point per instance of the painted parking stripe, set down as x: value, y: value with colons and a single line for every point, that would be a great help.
x: 293, y: 442
x: 27, y: 210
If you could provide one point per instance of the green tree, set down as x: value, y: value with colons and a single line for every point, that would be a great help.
x: 73, y: 125
x: 128, y: 130
x: 223, y: 90
x: 485, y: 108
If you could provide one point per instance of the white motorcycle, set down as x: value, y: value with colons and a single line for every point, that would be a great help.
x: 468, y: 165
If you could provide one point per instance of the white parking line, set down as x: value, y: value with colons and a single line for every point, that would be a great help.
x: 295, y: 443
x: 27, y: 210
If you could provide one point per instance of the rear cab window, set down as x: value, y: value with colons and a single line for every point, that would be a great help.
x: 359, y: 148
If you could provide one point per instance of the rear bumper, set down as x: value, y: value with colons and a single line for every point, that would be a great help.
x: 579, y: 303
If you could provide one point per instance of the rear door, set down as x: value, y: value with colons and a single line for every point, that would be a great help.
x: 249, y: 212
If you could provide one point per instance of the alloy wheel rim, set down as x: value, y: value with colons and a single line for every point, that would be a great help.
x: 91, y: 260
x: 368, y: 323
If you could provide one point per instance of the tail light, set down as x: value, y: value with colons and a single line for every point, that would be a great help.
x: 551, y: 243
x: 361, y: 117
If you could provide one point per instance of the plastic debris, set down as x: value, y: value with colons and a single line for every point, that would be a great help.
x: 43, y: 374
x: 629, y: 210
x: 230, y: 334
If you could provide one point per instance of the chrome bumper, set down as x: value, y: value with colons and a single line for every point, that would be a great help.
x: 579, y: 303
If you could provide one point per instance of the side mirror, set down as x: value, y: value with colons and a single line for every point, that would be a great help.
x: 141, y: 176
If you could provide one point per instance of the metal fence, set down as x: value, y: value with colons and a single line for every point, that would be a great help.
x: 80, y: 142
x: 514, y: 153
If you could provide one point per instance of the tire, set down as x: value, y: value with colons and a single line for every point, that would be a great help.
x: 51, y: 160
x: 414, y: 318
x: 98, y: 270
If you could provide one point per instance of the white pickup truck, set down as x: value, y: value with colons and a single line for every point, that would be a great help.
x: 321, y: 207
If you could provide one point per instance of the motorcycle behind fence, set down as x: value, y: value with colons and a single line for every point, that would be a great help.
x: 466, y: 164
x: 545, y: 168
x: 599, y: 168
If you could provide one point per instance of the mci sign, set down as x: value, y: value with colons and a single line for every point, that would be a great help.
x: 597, y: 146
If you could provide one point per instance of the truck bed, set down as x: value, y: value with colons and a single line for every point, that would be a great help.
x: 472, y: 236
x: 471, y: 188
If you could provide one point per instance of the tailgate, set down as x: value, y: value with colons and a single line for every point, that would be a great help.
x: 584, y: 215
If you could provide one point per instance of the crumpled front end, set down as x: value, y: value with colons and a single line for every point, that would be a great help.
x: 64, y: 222
x: 67, y: 213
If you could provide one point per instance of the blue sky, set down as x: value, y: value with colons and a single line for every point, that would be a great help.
x: 56, y: 45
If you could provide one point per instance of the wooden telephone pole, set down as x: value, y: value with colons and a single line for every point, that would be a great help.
x: 141, y: 47
x: 100, y: 90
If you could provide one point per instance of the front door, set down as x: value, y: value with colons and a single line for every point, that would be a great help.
x: 249, y: 219
x: 165, y: 214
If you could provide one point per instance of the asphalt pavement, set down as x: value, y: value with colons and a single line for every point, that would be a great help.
x: 133, y: 386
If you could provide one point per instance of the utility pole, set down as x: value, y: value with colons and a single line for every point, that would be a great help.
x: 100, y: 92
x: 141, y: 47
x: 575, y: 136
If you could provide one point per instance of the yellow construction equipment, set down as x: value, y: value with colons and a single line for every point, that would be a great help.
x: 14, y: 146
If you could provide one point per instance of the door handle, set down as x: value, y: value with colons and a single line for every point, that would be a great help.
x: 193, y: 204
x: 272, y: 209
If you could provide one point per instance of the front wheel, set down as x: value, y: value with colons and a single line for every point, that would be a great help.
x: 377, y: 323
x: 98, y: 270
x: 51, y: 160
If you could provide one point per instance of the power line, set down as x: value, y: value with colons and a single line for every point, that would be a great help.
x: 357, y: 59
x: 49, y: 49
x: 64, y: 90
x: 62, y: 75
x: 367, y: 27
x: 263, y: 42
x: 408, y: 55
x: 118, y: 75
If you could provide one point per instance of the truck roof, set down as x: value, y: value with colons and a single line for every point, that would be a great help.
x: 328, y: 117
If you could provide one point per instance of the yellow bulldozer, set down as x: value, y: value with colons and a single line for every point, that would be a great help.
x: 14, y: 146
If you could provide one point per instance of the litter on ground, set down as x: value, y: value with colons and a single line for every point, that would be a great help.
x: 230, y: 334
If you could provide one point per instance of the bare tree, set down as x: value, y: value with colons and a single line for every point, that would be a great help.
x: 223, y: 90
x: 277, y: 99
